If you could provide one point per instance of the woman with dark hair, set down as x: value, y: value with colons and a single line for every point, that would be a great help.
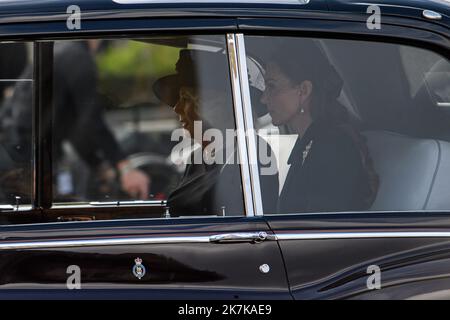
x: 330, y: 165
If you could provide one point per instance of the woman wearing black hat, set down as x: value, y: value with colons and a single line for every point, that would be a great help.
x: 200, y: 94
x: 331, y: 169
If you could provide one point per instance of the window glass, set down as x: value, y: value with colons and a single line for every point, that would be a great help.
x: 354, y: 126
x: 416, y: 64
x: 16, y: 87
x: 144, y: 121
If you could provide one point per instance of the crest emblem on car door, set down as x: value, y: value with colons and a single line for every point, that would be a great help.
x: 139, y: 269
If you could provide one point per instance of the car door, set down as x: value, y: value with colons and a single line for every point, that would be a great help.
x: 73, y: 244
x: 183, y: 259
x: 397, y: 247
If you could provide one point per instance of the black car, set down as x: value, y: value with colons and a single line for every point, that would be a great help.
x: 330, y: 118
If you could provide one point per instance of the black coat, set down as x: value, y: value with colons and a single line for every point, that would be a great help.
x: 205, y: 189
x: 329, y: 177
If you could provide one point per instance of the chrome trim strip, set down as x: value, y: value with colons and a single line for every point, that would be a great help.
x: 360, y: 235
x: 293, y: 2
x: 52, y: 244
x: 128, y: 203
x: 16, y: 80
x: 356, y: 214
x: 110, y: 204
x: 114, y: 221
x: 248, y: 122
x: 240, y: 127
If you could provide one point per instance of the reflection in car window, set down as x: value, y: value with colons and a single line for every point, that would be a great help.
x: 146, y: 120
x: 16, y: 85
x: 387, y: 150
x: 416, y: 63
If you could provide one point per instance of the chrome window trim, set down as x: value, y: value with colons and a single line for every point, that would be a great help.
x: 425, y: 212
x: 240, y: 124
x: 360, y: 235
x: 16, y: 80
x: 292, y: 2
x: 62, y: 223
x: 248, y: 123
x: 292, y: 215
x: 110, y: 204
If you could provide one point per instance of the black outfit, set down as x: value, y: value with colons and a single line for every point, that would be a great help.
x: 205, y: 189
x: 78, y: 109
x: 328, y: 177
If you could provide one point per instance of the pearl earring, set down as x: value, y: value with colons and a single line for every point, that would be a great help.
x: 302, y: 110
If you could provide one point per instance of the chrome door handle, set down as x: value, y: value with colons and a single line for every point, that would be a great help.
x: 240, y: 237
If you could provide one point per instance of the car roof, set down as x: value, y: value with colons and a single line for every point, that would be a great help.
x: 42, y: 10
x: 398, y: 6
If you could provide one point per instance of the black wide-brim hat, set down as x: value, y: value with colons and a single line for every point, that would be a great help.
x: 204, y: 71
x: 167, y: 89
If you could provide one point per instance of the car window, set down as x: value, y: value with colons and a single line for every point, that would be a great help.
x: 355, y: 126
x: 140, y: 122
x: 416, y: 64
x: 16, y: 73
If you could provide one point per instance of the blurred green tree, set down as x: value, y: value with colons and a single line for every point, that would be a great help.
x: 127, y: 69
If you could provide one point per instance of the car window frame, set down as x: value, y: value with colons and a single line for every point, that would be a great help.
x: 326, y: 25
x: 62, y: 209
x: 43, y: 210
x: 425, y: 35
x: 29, y: 211
x: 47, y: 211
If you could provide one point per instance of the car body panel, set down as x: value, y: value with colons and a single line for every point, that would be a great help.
x: 328, y: 260
x: 327, y: 255
x: 174, y: 253
x: 54, y: 10
x: 331, y: 260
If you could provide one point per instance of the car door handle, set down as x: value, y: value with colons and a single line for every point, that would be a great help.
x: 240, y: 237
